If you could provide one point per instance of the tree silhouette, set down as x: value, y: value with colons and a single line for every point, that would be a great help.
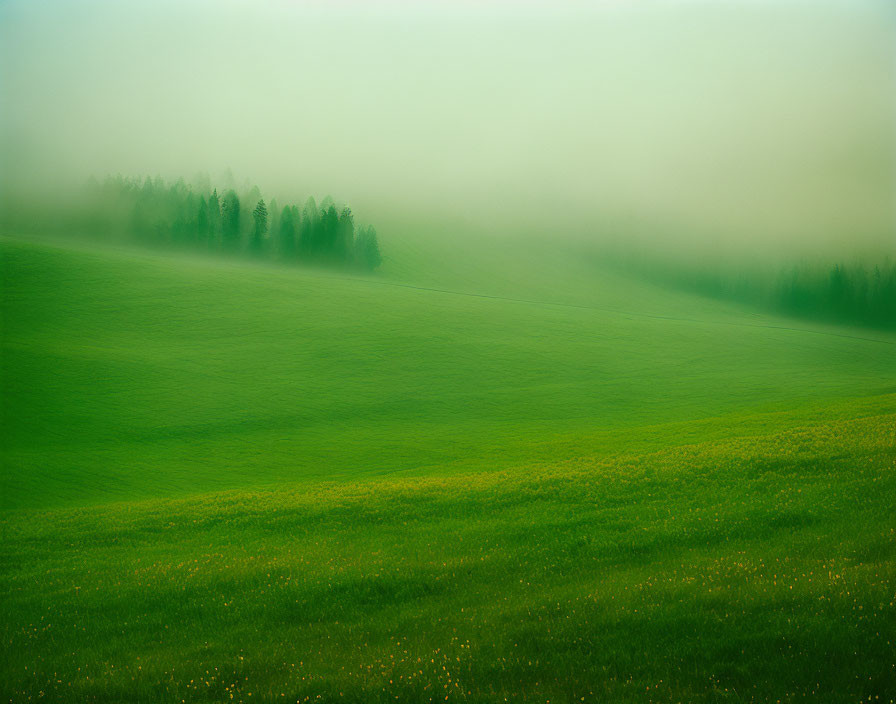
x: 230, y: 220
x: 286, y: 236
x: 367, y: 249
x: 182, y: 215
x: 214, y: 220
x: 260, y: 228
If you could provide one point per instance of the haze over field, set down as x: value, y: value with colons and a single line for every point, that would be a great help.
x: 447, y: 351
x: 766, y: 126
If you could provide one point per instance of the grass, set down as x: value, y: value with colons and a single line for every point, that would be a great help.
x: 133, y: 376
x: 227, y: 482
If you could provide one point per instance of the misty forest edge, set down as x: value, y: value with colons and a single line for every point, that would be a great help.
x: 151, y: 212
x: 235, y: 221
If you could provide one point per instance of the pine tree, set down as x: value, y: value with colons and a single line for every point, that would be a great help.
x: 274, y: 211
x: 286, y: 234
x: 202, y: 222
x: 367, y: 249
x: 329, y: 227
x: 345, y: 235
x: 309, y: 230
x: 214, y: 220
x: 230, y: 220
x: 260, y: 229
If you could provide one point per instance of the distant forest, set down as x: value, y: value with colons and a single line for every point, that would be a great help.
x: 850, y: 293
x: 152, y: 212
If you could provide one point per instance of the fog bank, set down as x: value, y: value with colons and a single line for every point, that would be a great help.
x: 760, y: 126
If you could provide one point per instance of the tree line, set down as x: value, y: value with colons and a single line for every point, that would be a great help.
x: 857, y: 293
x: 153, y: 212
x: 852, y: 293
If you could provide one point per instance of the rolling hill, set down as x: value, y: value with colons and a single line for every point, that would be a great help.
x: 534, y: 481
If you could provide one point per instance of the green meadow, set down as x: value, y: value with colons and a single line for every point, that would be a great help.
x: 447, y: 481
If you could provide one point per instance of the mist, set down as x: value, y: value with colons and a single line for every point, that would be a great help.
x: 447, y: 350
x: 765, y: 128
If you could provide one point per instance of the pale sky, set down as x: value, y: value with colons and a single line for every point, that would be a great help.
x: 760, y: 120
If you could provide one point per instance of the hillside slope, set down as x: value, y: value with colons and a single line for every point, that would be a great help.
x: 130, y: 374
x: 230, y: 482
x: 748, y: 569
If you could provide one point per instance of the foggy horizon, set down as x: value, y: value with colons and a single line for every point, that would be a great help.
x: 771, y: 126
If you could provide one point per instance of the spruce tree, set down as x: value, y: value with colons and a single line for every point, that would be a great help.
x: 214, y: 220
x: 345, y: 235
x: 230, y: 220
x: 286, y: 235
x: 260, y: 229
x: 310, y: 227
x: 367, y: 249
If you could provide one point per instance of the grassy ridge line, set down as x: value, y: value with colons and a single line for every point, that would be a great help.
x: 751, y: 569
x: 550, y: 277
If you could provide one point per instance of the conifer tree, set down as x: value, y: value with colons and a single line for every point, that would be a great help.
x: 345, y: 235
x: 214, y: 220
x: 260, y: 228
x: 367, y: 249
x: 310, y: 226
x: 286, y: 235
x: 326, y: 239
x: 202, y: 222
x: 230, y: 220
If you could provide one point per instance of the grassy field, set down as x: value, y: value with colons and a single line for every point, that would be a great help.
x: 230, y: 482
